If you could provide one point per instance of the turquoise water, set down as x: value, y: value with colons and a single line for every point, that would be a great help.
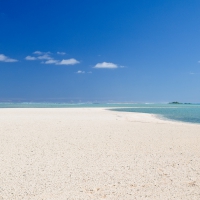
x: 180, y: 112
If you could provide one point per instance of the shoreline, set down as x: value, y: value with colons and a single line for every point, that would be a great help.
x: 93, y: 153
x: 159, y: 117
x: 193, y: 119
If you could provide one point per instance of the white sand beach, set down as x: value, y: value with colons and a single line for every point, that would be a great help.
x: 93, y: 153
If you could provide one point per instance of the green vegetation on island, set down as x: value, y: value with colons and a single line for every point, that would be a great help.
x: 176, y: 102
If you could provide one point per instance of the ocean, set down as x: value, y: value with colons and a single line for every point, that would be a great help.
x: 178, y: 112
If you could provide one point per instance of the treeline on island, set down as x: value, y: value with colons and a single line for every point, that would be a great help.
x: 176, y: 102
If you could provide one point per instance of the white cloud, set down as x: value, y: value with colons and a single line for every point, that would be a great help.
x: 80, y: 72
x: 71, y: 61
x: 105, y: 65
x: 45, y: 57
x: 30, y: 58
x: 40, y: 56
x: 61, y: 53
x: 52, y: 61
x: 38, y: 52
x: 199, y: 61
x: 193, y: 73
x: 4, y: 58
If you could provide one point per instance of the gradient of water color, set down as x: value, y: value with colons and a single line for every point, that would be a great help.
x: 180, y: 112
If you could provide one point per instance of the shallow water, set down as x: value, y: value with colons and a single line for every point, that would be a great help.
x: 180, y: 112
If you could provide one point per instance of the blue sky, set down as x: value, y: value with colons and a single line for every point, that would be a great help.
x: 97, y: 50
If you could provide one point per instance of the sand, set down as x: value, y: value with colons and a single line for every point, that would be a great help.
x: 93, y: 153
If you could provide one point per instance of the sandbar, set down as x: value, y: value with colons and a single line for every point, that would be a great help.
x: 94, y: 153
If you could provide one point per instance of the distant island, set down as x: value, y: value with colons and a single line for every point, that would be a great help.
x: 176, y: 102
